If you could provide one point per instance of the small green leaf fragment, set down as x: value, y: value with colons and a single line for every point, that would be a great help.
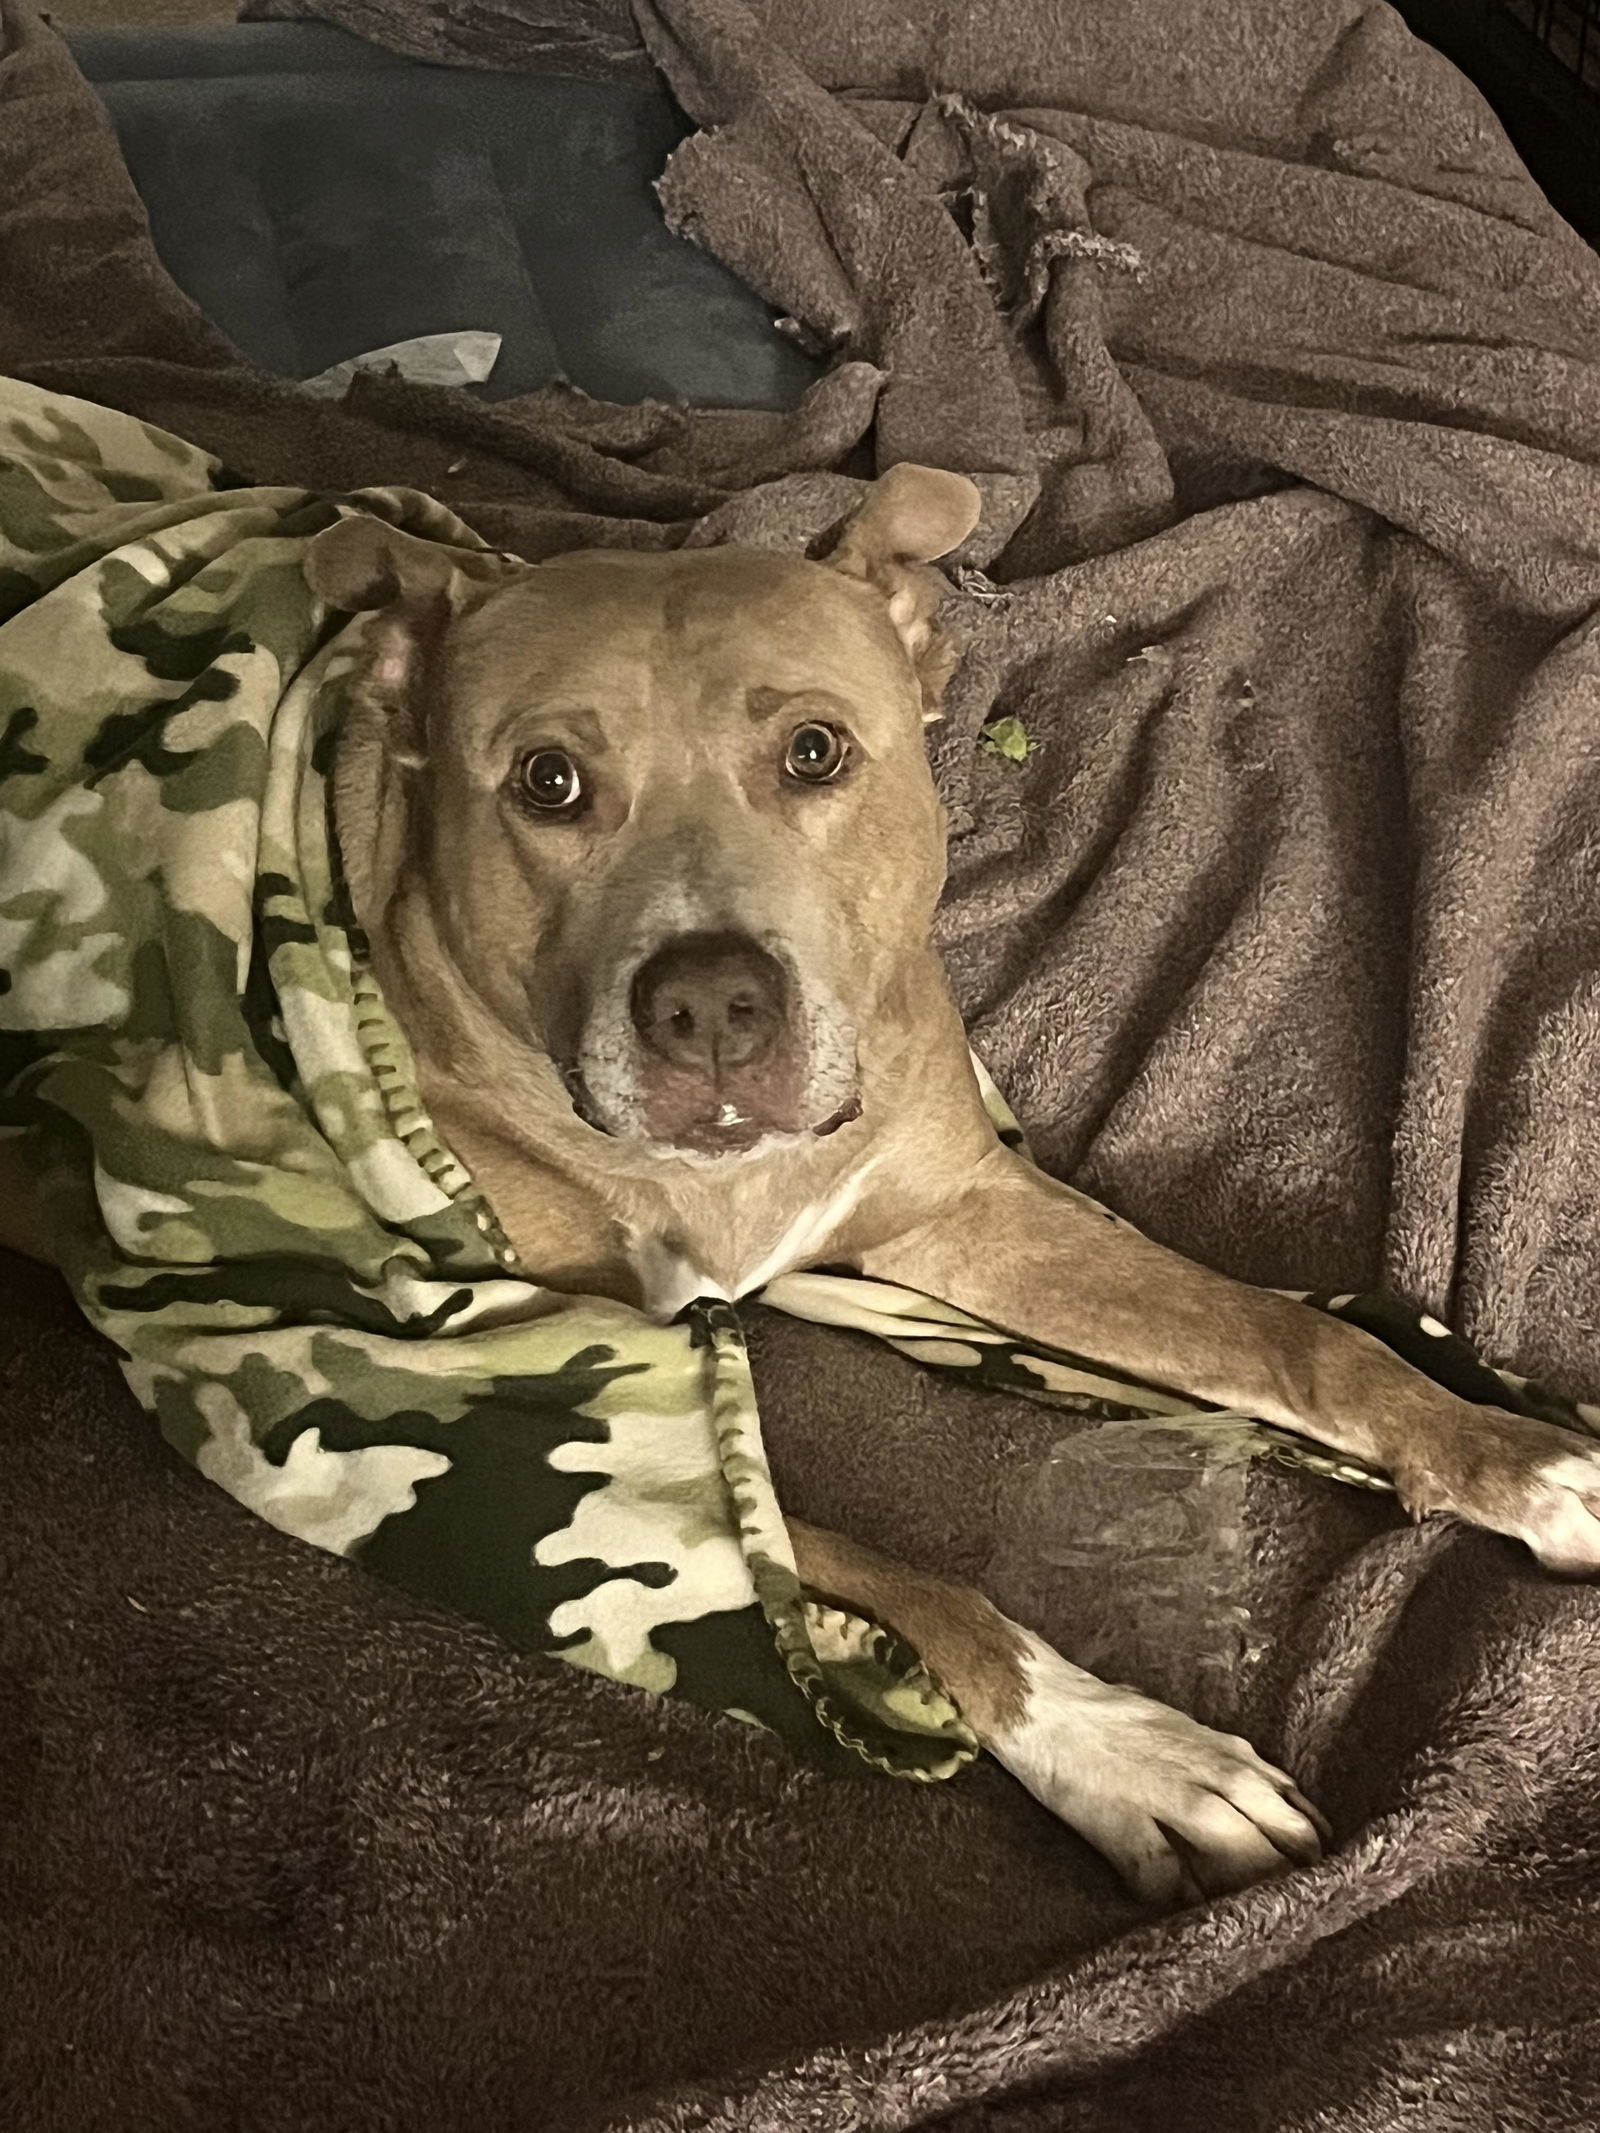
x: 1008, y: 738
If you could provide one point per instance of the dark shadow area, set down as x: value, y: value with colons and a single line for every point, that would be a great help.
x: 1538, y: 63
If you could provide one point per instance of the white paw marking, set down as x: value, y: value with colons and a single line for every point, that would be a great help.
x: 1180, y: 1812
x: 1562, y: 1519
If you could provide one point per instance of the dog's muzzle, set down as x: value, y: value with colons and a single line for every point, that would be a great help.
x: 721, y: 1057
x: 713, y: 1007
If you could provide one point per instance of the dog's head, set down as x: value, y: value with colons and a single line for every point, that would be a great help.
x: 671, y: 813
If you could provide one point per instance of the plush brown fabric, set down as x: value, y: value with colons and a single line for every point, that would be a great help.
x: 1284, y: 940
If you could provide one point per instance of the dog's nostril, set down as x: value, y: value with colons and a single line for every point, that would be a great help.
x: 710, y: 1003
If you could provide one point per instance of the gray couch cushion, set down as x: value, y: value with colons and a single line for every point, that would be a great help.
x: 318, y: 197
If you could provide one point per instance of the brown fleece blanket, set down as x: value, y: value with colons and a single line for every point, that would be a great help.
x: 1282, y: 384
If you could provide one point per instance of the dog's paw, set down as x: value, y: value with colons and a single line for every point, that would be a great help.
x: 1531, y: 1480
x: 1182, y: 1813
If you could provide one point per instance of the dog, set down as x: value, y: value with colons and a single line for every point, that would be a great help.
x: 647, y: 851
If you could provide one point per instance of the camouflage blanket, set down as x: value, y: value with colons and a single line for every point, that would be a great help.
x: 305, y: 1287
x: 308, y: 1293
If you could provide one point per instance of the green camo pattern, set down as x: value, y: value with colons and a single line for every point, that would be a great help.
x: 305, y: 1287
x: 245, y: 1194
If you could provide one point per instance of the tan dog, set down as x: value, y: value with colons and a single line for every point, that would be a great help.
x: 647, y: 850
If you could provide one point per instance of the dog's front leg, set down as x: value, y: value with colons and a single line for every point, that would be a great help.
x: 1180, y: 1811
x: 1046, y: 1263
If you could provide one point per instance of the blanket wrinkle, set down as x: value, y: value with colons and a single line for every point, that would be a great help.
x: 1285, y: 947
x: 880, y: 232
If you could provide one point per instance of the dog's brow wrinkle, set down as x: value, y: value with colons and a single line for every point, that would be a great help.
x: 765, y: 703
x: 568, y: 721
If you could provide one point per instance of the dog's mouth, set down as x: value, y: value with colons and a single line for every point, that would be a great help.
x: 716, y: 1125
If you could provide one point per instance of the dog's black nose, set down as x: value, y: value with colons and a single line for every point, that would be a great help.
x: 710, y: 1002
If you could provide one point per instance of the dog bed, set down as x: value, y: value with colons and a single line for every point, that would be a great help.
x: 319, y: 197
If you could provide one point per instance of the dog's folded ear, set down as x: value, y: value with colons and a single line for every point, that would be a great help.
x: 413, y: 587
x: 909, y: 516
x: 364, y: 562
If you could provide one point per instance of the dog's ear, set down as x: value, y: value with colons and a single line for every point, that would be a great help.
x: 910, y: 515
x: 363, y: 564
x: 413, y: 588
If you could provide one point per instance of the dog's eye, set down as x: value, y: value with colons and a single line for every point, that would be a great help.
x: 549, y: 781
x: 816, y: 753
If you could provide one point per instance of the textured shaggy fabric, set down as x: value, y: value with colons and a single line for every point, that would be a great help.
x: 1284, y: 939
